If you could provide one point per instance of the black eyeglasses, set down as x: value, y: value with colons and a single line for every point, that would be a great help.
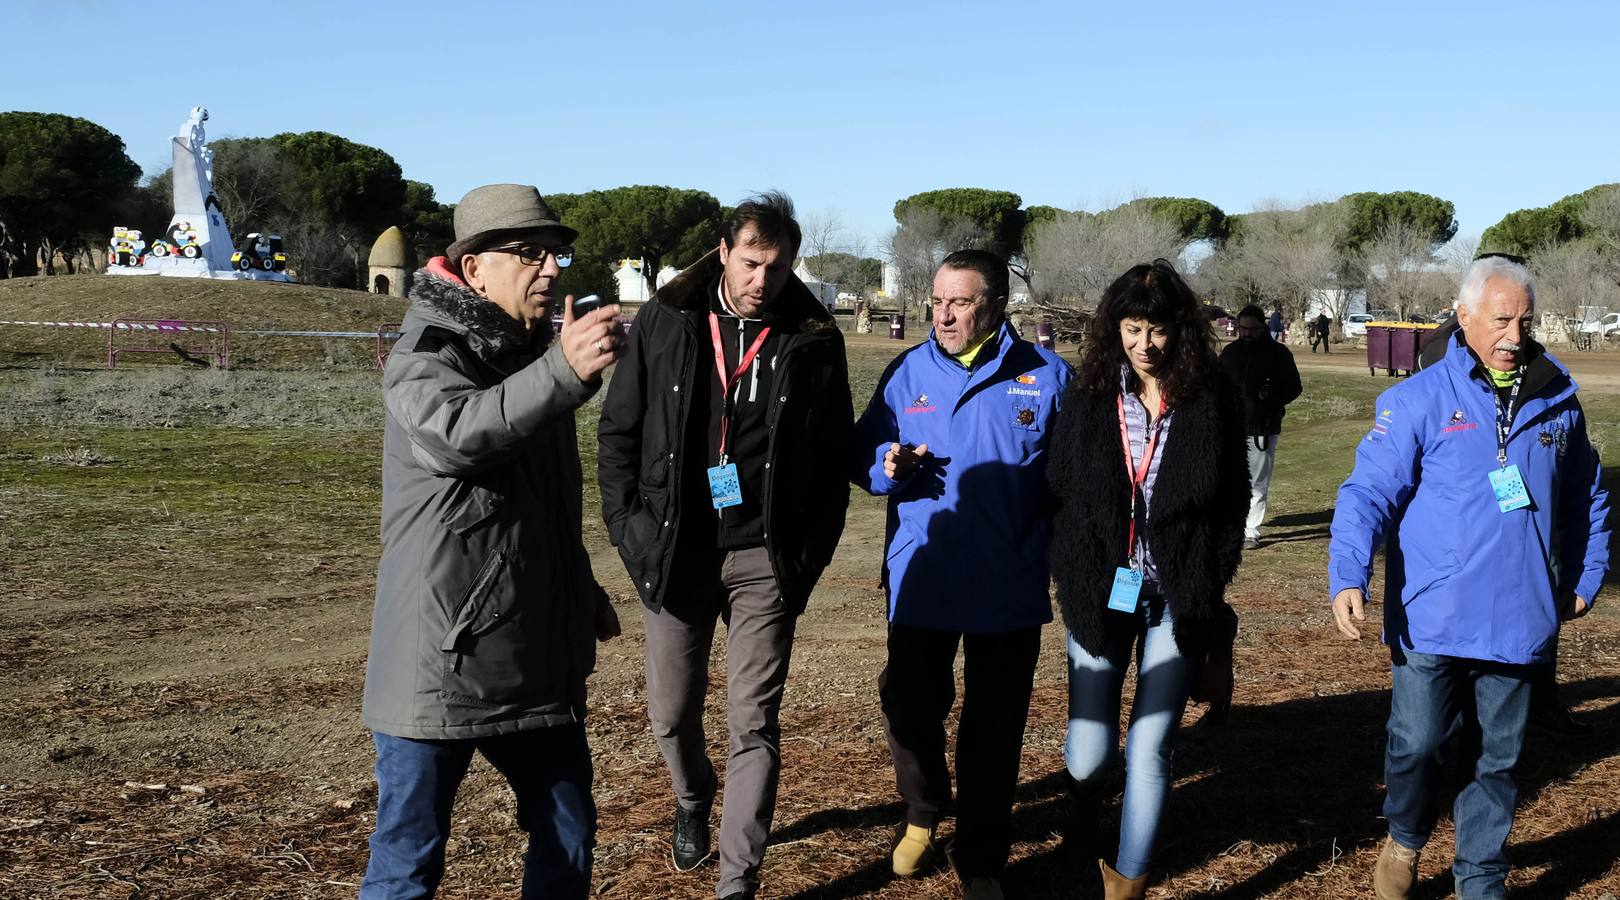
x: 537, y: 254
x: 1516, y: 260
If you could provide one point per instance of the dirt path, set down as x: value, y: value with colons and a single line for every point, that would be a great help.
x: 195, y: 732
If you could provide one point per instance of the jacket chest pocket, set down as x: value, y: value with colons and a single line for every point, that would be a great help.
x: 469, y: 507
x: 1025, y: 424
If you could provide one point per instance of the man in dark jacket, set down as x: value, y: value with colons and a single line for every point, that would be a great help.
x: 1268, y: 381
x: 487, y: 612
x: 1319, y: 332
x: 720, y: 458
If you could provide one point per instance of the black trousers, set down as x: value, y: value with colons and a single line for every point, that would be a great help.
x: 917, y: 690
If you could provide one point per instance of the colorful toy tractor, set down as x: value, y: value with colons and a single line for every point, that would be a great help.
x: 183, y: 241
x: 126, y: 246
x: 260, y: 251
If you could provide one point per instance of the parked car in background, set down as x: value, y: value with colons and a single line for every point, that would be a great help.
x: 1603, y: 328
x: 1355, y: 324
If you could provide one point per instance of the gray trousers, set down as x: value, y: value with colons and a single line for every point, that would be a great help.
x: 759, y: 643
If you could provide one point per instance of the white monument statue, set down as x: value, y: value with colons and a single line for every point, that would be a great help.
x: 197, y: 243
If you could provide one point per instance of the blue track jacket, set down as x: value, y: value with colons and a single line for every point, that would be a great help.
x: 967, y: 534
x: 1463, y: 578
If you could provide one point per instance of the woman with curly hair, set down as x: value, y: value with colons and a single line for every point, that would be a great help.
x: 1148, y: 465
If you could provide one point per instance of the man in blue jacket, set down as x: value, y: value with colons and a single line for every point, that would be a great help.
x: 956, y: 437
x: 1479, y: 474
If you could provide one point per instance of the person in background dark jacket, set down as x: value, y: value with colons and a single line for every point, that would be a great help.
x: 1150, y: 477
x: 487, y: 611
x: 1276, y: 324
x: 721, y: 457
x: 1268, y: 381
x: 1319, y: 332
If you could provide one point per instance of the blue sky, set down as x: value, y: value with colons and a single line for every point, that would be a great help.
x: 851, y: 106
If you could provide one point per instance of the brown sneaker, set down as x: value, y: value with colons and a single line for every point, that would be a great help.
x: 1396, y: 872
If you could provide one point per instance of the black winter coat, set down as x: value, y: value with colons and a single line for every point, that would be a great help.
x: 646, y: 435
x: 1195, y: 520
x: 1267, y: 380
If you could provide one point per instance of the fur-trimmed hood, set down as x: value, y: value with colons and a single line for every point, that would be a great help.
x: 440, y: 296
x: 795, y: 305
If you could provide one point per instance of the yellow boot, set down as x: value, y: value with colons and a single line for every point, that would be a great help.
x: 914, y: 852
x: 1118, y: 887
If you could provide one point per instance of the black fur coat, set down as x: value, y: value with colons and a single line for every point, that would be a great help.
x: 1195, y: 520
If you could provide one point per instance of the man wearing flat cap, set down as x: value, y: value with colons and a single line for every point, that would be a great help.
x: 487, y: 611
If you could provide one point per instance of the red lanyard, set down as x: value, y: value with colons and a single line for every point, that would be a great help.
x: 1137, y: 473
x: 726, y: 383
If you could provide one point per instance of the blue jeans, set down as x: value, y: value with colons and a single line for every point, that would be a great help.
x: 549, y: 770
x: 1090, y: 747
x: 1485, y: 705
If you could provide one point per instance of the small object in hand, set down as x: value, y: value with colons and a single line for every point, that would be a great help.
x: 584, y: 306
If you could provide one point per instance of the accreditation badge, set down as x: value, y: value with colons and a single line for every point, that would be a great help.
x: 1127, y: 590
x: 724, y: 488
x: 1508, y: 486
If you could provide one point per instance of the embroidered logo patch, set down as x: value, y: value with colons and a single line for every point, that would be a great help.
x: 1458, y: 417
x: 1025, y: 379
x: 1026, y: 417
x: 921, y: 405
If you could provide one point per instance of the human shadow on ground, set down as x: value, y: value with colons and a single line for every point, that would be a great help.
x: 1306, y: 773
x: 1307, y: 527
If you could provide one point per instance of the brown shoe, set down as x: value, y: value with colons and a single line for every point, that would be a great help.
x: 1396, y: 872
x: 1118, y: 887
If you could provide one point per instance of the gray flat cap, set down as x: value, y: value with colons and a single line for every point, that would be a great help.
x: 496, y: 213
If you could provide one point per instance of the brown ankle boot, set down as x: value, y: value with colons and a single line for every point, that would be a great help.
x: 1396, y: 872
x: 1118, y: 887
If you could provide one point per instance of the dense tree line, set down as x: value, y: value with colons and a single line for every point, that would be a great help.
x: 65, y: 181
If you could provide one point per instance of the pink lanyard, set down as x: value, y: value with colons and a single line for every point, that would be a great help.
x: 1137, y: 474
x: 726, y: 383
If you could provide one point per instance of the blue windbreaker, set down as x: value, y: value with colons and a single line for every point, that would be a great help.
x: 1462, y: 578
x: 967, y: 534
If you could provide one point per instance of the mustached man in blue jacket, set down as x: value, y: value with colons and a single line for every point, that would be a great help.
x: 956, y: 437
x: 1479, y: 475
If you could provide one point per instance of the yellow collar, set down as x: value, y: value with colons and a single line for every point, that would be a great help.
x: 966, y: 357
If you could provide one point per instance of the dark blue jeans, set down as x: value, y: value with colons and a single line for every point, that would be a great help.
x: 1483, y: 704
x: 549, y: 770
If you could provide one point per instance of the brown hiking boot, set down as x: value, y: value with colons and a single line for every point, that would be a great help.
x: 1118, y: 887
x: 1396, y: 872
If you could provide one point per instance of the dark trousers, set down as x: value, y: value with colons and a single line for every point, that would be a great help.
x: 742, y: 592
x: 917, y: 690
x: 549, y: 770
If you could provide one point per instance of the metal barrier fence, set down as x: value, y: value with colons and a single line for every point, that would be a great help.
x: 185, y: 337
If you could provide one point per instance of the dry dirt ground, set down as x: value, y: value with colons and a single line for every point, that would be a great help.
x: 185, y: 623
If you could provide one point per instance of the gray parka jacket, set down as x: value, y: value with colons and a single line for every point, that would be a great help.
x: 483, y: 623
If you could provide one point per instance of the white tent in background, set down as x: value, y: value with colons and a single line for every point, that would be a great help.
x: 632, y: 287
x: 825, y: 291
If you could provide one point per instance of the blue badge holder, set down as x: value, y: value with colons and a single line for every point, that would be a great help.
x: 724, y: 488
x: 1508, y: 486
x: 1127, y: 590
